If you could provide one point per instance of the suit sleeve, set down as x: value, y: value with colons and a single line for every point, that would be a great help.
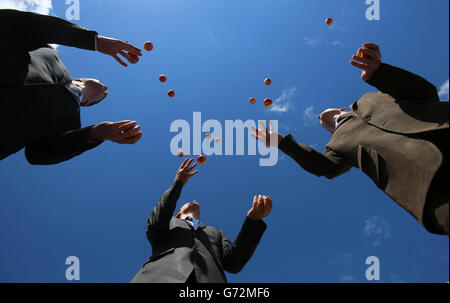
x: 59, y: 148
x: 159, y: 220
x: 403, y: 85
x: 237, y: 254
x: 330, y: 164
x: 30, y: 31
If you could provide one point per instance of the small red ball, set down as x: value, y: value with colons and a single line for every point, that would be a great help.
x: 148, y: 46
x: 329, y: 21
x: 133, y: 58
x: 201, y: 159
x: 171, y: 93
x: 163, y: 78
x: 268, y: 102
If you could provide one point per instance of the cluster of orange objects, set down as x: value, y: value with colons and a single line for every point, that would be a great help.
x: 267, y: 101
x: 133, y: 58
x: 200, y: 159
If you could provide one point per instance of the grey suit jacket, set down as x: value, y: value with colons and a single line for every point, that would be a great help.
x: 387, y: 139
x: 178, y: 249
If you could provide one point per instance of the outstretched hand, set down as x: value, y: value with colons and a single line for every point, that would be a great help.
x: 114, y: 48
x: 124, y: 132
x: 263, y: 134
x: 184, y: 172
x: 262, y: 205
x: 368, y: 59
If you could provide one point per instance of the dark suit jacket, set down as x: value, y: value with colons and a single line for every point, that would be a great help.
x: 386, y: 139
x: 178, y: 249
x: 38, y: 112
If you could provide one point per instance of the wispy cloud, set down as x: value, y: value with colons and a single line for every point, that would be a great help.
x: 309, y: 116
x: 378, y: 229
x: 283, y: 103
x: 443, y: 91
x: 337, y: 43
x: 311, y: 41
x: 213, y: 38
x: 43, y: 7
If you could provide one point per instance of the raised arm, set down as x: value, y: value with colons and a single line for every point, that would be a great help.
x: 64, y: 146
x: 399, y: 83
x: 159, y: 220
x: 60, y: 147
x: 329, y: 164
x: 30, y: 31
x: 238, y: 253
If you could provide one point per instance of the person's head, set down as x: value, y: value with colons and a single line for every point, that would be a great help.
x: 191, y: 209
x: 328, y: 118
x: 93, y: 91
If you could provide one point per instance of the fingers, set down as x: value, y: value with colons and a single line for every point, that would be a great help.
x: 193, y: 166
x: 183, y: 164
x: 128, y: 133
x: 263, y: 126
x: 122, y: 128
x: 125, y: 55
x: 120, y: 60
x: 258, y: 137
x: 131, y: 140
x: 255, y: 202
x: 188, y: 164
x: 268, y: 206
x: 358, y: 65
x: 128, y: 47
x: 372, y: 46
x: 271, y: 126
x: 362, y: 59
x: 121, y: 123
x: 194, y: 173
x: 370, y: 53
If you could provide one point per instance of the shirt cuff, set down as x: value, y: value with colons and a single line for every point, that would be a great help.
x: 95, y: 42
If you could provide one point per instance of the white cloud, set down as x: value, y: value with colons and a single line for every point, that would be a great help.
x: 283, y: 103
x: 309, y: 116
x: 311, y: 42
x: 377, y: 228
x: 43, y: 7
x: 443, y: 91
x: 337, y: 43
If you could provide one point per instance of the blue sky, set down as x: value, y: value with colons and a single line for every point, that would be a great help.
x: 216, y: 55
